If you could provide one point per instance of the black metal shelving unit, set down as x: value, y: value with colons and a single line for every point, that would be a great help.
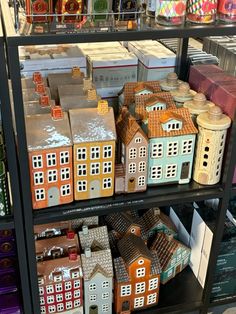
x: 15, y: 221
x: 184, y: 293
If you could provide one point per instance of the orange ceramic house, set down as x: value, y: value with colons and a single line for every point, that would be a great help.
x: 50, y: 158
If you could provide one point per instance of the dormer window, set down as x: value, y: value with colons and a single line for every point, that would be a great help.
x: 75, y: 273
x: 57, y: 277
x: 172, y: 125
x: 55, y: 253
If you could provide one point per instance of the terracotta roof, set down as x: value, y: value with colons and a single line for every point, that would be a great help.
x: 129, y: 93
x: 141, y: 86
x: 165, y: 248
x: 127, y: 127
x: 152, y: 219
x: 143, y: 101
x: 155, y: 127
x: 131, y: 247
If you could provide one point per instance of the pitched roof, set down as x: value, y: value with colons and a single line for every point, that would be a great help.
x: 165, y: 248
x: 129, y: 93
x: 131, y: 247
x: 142, y: 86
x: 127, y: 127
x: 99, y: 261
x: 121, y: 222
x: 151, y: 219
x: 143, y: 101
x: 99, y: 234
x: 155, y: 125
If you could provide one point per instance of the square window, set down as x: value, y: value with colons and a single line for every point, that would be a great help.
x: 81, y: 153
x: 52, y: 309
x: 51, y: 160
x: 132, y: 167
x: 105, y: 307
x: 76, y: 284
x: 105, y: 295
x: 107, y: 167
x: 76, y: 303
x: 153, y: 284
x: 64, y: 158
x: 65, y: 174
x: 52, y: 176
x: 57, y: 278
x: 40, y: 280
x: 68, y: 295
x: 95, y: 168
x: 107, y: 183
x: 92, y: 297
x: 41, y: 290
x: 140, y: 287
x: 142, y: 152
x: 75, y: 274
x: 157, y: 150
x: 38, y: 178
x: 152, y: 298
x: 76, y: 294
x: 68, y: 305
x: 171, y: 171
x: 58, y: 287
x: 40, y: 194
x: 95, y: 152
x: 65, y: 190
x: 82, y: 186
x: 50, y: 299
x: 81, y: 170
x: 141, y: 181
x: 138, y: 302
x: 172, y: 149
x: 140, y: 272
x: 156, y: 172
x: 60, y: 307
x: 42, y: 301
x: 125, y: 290
x: 187, y: 147
x: 107, y: 151
x: 92, y: 287
x: 50, y: 289
x: 43, y: 309
x: 132, y: 153
x: 105, y: 284
x: 37, y: 161
x: 142, y: 166
x: 68, y: 285
x: 59, y: 297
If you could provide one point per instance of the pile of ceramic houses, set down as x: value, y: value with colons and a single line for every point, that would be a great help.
x: 78, y: 151
x: 79, y: 274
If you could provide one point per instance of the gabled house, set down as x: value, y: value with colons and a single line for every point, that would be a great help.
x: 94, y: 136
x: 50, y: 158
x: 146, y: 103
x: 143, y: 89
x: 137, y: 276
x: 98, y: 281
x: 57, y: 247
x: 95, y: 238
x: 171, y: 136
x: 173, y: 255
x: 60, y: 285
x: 133, y: 154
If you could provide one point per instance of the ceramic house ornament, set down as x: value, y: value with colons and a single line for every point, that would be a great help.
x: 199, y: 104
x: 172, y: 254
x: 94, y: 136
x: 212, y: 127
x: 182, y: 93
x: 50, y: 158
x: 133, y: 145
x: 137, y: 275
x: 170, y: 83
x: 94, y: 238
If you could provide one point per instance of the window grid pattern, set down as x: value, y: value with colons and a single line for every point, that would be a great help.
x: 132, y: 167
x: 140, y: 272
x: 81, y: 170
x: 138, y: 302
x: 187, y: 147
x: 38, y: 178
x: 95, y: 168
x: 107, y: 151
x: 52, y: 176
x: 132, y: 153
x: 64, y: 158
x: 152, y: 298
x: 142, y: 152
x: 82, y: 186
x: 51, y: 160
x: 156, y: 172
x: 142, y: 166
x: 107, y: 167
x: 140, y: 287
x: 37, y: 161
x: 65, y: 174
x: 65, y: 190
x: 95, y: 152
x: 107, y: 183
x: 81, y: 153
x: 125, y: 290
x: 141, y: 181
x: 171, y: 171
x: 153, y: 283
x: 157, y: 150
x: 172, y: 149
x: 40, y: 194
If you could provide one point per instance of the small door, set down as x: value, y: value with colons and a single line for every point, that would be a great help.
x: 125, y: 306
x: 178, y: 269
x: 93, y: 309
x: 53, y: 196
x: 131, y: 185
x: 95, y: 190
x: 185, y: 170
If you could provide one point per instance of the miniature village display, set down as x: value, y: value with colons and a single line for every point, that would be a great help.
x: 170, y: 83
x: 182, y: 94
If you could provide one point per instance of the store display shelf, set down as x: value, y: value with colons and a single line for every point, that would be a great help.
x: 186, y: 297
x: 155, y: 196
x: 6, y: 223
x: 222, y: 301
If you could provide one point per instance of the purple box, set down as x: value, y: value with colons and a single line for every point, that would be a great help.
x: 7, y: 248
x: 8, y: 283
x: 9, y: 304
x: 6, y: 235
x: 7, y: 263
x: 225, y: 99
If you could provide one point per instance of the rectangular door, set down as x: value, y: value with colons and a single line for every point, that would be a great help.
x: 95, y: 190
x: 53, y: 196
x: 185, y: 170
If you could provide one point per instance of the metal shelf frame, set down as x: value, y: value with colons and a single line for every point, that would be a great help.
x: 154, y: 196
x: 16, y: 221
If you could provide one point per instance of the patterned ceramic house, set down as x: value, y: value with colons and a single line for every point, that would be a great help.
x: 57, y: 247
x: 171, y: 146
x: 60, y: 285
x: 98, y: 281
x: 95, y: 238
x: 94, y: 136
x: 137, y: 275
x: 173, y: 255
x: 50, y: 158
x: 133, y: 146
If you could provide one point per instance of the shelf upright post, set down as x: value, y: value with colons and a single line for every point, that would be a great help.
x: 14, y: 177
x: 181, y: 60
x: 221, y: 215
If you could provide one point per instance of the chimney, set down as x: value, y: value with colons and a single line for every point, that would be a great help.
x: 73, y: 256
x: 56, y: 113
x: 37, y: 78
x: 102, y: 107
x: 85, y: 230
x: 76, y: 72
x: 87, y: 252
x: 156, y: 211
x: 70, y: 235
x: 169, y: 237
x: 40, y: 88
x: 44, y: 101
x: 92, y: 94
x: 87, y: 84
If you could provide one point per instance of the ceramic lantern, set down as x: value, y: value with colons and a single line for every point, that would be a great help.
x: 182, y: 93
x: 170, y: 83
x: 198, y: 105
x: 213, y: 127
x: 227, y: 11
